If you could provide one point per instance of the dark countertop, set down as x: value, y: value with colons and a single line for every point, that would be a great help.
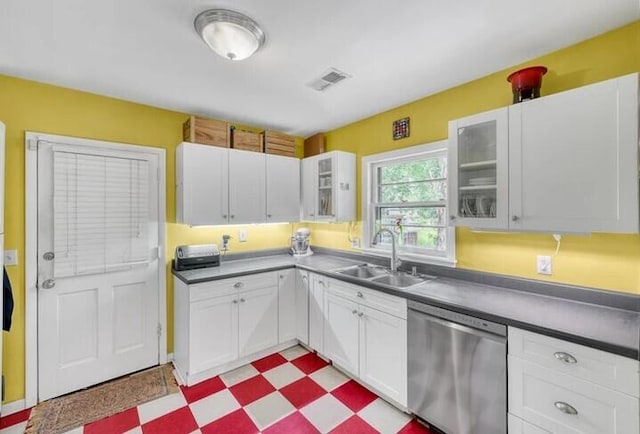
x: 602, y: 327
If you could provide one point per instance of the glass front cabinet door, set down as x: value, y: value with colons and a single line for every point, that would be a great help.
x: 326, y: 189
x: 478, y: 170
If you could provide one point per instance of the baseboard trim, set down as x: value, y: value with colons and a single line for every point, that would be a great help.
x: 13, y: 407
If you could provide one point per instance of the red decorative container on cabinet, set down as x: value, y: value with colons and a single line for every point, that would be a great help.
x: 526, y: 83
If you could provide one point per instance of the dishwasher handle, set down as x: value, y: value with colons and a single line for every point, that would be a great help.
x: 471, y: 323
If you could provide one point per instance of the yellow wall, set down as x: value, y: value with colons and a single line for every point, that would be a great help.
x: 30, y: 106
x: 599, y: 260
x: 603, y: 261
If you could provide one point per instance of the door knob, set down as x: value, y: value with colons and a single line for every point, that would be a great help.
x: 48, y: 284
x: 49, y: 256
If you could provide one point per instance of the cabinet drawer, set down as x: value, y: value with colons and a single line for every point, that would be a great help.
x: 563, y: 404
x: 202, y: 291
x: 390, y: 304
x: 519, y: 426
x: 606, y: 369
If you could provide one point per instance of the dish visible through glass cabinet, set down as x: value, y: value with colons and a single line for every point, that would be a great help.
x: 325, y: 188
x: 477, y: 159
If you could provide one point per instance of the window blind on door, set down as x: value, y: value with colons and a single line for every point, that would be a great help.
x: 100, y: 206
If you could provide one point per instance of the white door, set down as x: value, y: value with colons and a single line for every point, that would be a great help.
x: 97, y: 265
x: 283, y: 188
x: 258, y: 320
x: 316, y: 312
x: 341, y: 335
x: 383, y: 353
x: 247, y: 192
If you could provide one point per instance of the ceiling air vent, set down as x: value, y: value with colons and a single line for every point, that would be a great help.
x: 329, y: 78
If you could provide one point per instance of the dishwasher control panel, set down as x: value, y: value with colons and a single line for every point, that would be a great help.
x: 469, y: 321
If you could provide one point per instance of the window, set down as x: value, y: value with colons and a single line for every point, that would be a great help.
x: 405, y: 191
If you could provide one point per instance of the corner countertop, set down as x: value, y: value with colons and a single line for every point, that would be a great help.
x: 602, y: 327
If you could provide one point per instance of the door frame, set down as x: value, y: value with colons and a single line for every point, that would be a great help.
x: 31, y: 247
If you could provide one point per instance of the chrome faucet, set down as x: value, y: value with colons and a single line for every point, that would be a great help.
x: 395, y: 262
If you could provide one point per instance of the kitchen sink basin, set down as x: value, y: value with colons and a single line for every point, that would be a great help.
x: 399, y: 280
x: 363, y: 271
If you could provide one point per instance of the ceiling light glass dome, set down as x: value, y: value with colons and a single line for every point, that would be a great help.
x: 230, y: 34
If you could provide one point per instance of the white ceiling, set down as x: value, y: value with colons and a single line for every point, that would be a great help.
x: 397, y: 51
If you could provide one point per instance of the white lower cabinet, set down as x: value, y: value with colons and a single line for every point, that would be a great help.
x: 342, y: 332
x: 287, y: 304
x: 219, y: 344
x: 565, y: 388
x: 258, y: 320
x: 368, y: 343
x: 317, y: 284
x: 519, y: 426
x: 302, y: 306
x: 220, y: 322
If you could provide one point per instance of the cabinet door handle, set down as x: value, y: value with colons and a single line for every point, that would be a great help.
x: 238, y: 285
x: 452, y: 217
x: 311, y: 214
x: 515, y: 218
x: 565, y: 357
x: 361, y: 314
x: 235, y: 301
x: 359, y: 294
x: 355, y: 312
x: 304, y: 278
x: 320, y: 282
x: 242, y: 300
x: 268, y: 216
x: 566, y: 408
x: 224, y: 216
x: 282, y: 276
x: 232, y: 216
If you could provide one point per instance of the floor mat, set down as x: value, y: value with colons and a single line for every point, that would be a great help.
x: 66, y: 412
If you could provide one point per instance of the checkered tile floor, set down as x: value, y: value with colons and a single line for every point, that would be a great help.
x: 293, y: 391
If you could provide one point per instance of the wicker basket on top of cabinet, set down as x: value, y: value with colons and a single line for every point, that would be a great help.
x: 279, y: 144
x: 206, y: 132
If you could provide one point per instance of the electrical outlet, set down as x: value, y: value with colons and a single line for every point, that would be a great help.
x: 543, y: 264
x: 355, y: 243
x: 242, y: 236
x: 10, y: 257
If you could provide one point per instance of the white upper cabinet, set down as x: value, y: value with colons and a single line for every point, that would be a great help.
x: 228, y: 186
x: 283, y: 188
x: 202, y: 184
x: 563, y: 163
x: 247, y: 192
x: 574, y: 160
x: 328, y: 187
x: 479, y: 159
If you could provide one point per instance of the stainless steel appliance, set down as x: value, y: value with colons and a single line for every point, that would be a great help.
x: 300, y: 242
x: 196, y: 256
x: 457, y: 371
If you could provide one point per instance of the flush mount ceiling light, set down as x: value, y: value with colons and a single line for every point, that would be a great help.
x: 230, y: 34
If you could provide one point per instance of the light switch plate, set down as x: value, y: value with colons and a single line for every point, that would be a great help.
x: 10, y: 257
x: 242, y: 236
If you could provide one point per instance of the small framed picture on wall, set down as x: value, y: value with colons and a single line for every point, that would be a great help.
x: 401, y: 128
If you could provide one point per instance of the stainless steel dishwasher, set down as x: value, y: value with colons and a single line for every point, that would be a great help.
x: 457, y: 371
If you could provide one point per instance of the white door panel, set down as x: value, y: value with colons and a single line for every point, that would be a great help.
x: 283, y: 189
x: 247, y: 192
x: 97, y: 265
x: 258, y: 323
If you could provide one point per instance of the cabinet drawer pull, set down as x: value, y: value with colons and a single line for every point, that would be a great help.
x: 238, y: 285
x: 359, y: 294
x: 565, y: 357
x: 566, y: 408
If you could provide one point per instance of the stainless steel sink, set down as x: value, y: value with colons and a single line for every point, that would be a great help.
x: 363, y: 271
x: 400, y: 280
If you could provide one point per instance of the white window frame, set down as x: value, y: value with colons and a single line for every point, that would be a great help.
x: 368, y: 209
